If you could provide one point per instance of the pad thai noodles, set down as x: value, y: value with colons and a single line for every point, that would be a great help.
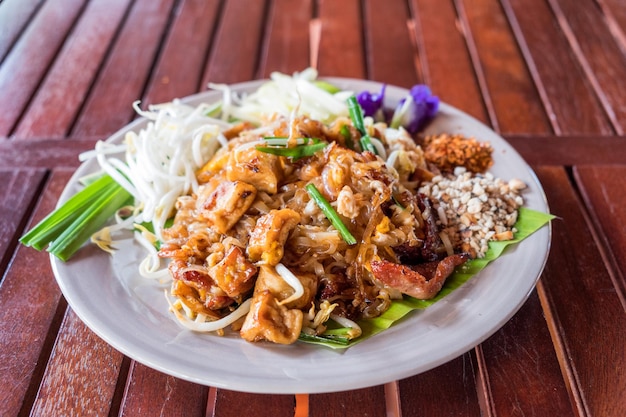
x: 286, y: 212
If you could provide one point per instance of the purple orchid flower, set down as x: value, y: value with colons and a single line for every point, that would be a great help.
x: 372, y: 103
x: 416, y: 110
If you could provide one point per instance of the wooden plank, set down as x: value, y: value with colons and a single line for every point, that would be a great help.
x: 60, y: 97
x: 447, y: 390
x: 19, y: 191
x: 152, y: 393
x: 15, y: 16
x: 43, y: 153
x: 81, y: 375
x: 584, y: 312
x: 341, y: 47
x: 126, y: 71
x: 179, y: 68
x: 600, y: 187
x: 615, y: 18
x: 600, y: 56
x: 26, y: 64
x: 570, y: 150
x: 555, y: 70
x: 226, y: 403
x: 29, y: 297
x: 286, y: 47
x: 361, y: 402
x: 512, y: 100
x: 235, y: 52
x: 523, y: 374
x: 390, y: 50
x: 445, y: 60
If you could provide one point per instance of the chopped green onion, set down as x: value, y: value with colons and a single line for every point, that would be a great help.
x: 347, y: 136
x: 295, y: 152
x: 367, y: 145
x: 323, y: 338
x: 356, y: 115
x: 66, y: 229
x: 330, y: 213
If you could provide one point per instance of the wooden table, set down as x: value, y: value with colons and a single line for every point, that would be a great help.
x: 549, y: 75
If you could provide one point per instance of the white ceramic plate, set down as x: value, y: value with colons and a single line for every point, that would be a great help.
x: 131, y: 314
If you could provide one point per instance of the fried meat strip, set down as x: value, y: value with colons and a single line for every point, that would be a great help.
x: 422, y: 282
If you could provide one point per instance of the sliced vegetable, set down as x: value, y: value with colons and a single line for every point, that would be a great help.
x: 296, y: 152
x: 356, y: 115
x: 330, y: 214
x: 67, y: 228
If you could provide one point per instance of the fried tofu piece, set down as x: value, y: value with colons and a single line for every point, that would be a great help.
x: 226, y: 203
x: 269, y: 320
x: 267, y: 240
x: 234, y: 274
x: 262, y: 170
x: 269, y: 280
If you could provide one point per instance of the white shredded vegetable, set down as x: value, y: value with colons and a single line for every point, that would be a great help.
x: 292, y: 281
x: 199, y: 325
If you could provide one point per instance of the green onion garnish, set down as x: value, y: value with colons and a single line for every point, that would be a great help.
x: 330, y: 213
x: 324, y: 338
x: 347, y: 136
x: 66, y: 229
x: 356, y: 115
x: 278, y: 146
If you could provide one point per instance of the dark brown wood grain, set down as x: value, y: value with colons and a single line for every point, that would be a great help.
x: 20, y: 189
x: 179, y: 69
x: 600, y: 55
x: 585, y: 313
x: 126, y: 70
x: 521, y: 369
x: 62, y: 92
x: 341, y: 48
x: 286, y: 42
x: 603, y: 190
x: 235, y: 52
x: 568, y: 96
x: 80, y: 362
x: 227, y: 403
x: 362, y: 402
x: 445, y: 60
x: 15, y: 15
x: 510, y: 95
x: 30, y: 298
x: 448, y: 390
x: 152, y: 393
x: 27, y: 62
x: 387, y: 32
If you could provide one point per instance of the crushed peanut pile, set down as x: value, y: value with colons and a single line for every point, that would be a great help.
x: 474, y: 208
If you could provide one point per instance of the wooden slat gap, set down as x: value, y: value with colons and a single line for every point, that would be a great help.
x: 263, y: 39
x: 49, y: 65
x: 584, y: 65
x: 30, y: 396
x: 107, y: 55
x: 18, y: 34
x: 120, y: 388
x: 417, y: 39
x: 171, y: 17
x: 604, y: 247
x: 479, y: 74
x: 562, y: 352
x: 211, y: 46
x: 614, y: 27
x: 530, y: 65
x: 483, y: 388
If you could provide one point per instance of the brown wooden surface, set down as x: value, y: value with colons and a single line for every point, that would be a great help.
x: 549, y: 75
